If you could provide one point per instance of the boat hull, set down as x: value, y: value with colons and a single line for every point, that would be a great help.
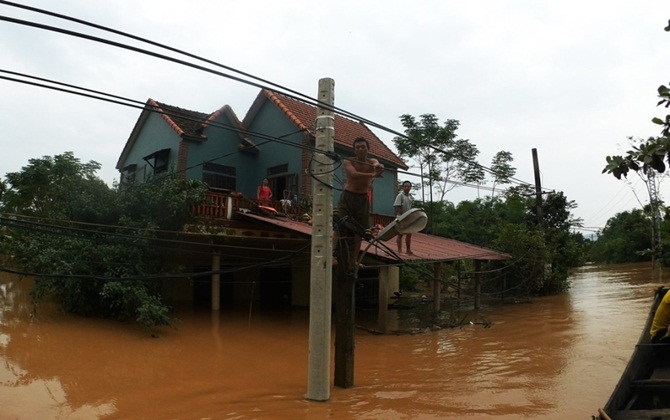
x: 643, y: 391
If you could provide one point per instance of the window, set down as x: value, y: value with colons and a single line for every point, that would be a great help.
x: 159, y: 160
x: 219, y: 176
x: 279, y: 169
x: 128, y: 174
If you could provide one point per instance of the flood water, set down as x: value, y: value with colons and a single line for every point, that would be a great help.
x: 553, y: 358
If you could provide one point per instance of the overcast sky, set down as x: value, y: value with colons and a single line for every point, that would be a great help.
x: 572, y: 79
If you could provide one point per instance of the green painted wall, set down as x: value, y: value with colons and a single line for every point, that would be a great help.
x: 271, y: 121
x: 155, y: 135
x: 221, y: 147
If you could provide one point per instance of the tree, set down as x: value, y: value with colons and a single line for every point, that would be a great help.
x: 651, y: 173
x: 664, y: 94
x: 648, y: 155
x: 58, y: 187
x: 502, y: 169
x: 524, y: 274
x: 625, y: 238
x: 648, y: 159
x: 541, y: 256
x: 564, y: 249
x: 90, y: 245
x: 440, y: 156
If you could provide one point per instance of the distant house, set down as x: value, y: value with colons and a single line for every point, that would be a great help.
x: 264, y: 258
x: 208, y: 147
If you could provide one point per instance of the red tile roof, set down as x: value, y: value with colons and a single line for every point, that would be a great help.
x: 303, y: 115
x: 428, y: 247
x: 183, y: 121
x: 425, y: 247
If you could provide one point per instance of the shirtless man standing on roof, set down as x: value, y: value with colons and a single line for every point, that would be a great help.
x: 359, y: 173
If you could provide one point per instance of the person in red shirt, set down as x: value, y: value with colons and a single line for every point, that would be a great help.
x: 264, y: 192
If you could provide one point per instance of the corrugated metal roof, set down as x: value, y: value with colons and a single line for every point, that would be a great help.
x: 424, y: 247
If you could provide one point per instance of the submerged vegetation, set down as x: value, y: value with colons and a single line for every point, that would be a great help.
x: 92, y: 248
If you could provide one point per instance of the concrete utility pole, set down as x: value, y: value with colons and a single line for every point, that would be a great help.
x: 318, y: 381
x: 345, y: 315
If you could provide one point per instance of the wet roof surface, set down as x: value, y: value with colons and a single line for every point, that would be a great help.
x: 424, y: 247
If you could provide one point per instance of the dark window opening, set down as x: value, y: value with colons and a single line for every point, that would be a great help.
x: 219, y: 169
x: 279, y: 169
x: 128, y: 174
x: 159, y: 160
x: 219, y: 176
x: 202, y: 288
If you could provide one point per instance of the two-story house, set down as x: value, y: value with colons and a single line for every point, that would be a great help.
x: 269, y: 256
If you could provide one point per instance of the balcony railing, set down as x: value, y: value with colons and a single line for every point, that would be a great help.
x: 220, y: 205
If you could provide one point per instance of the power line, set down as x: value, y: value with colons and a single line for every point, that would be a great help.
x: 157, y: 44
x: 98, y: 235
x: 158, y: 276
x: 133, y: 103
x: 94, y: 94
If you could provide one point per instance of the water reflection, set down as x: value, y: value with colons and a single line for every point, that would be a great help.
x: 554, y: 358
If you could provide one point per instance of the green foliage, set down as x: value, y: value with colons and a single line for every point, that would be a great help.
x: 59, y: 187
x: 90, y: 245
x: 541, y: 255
x: 650, y: 155
x: 126, y: 301
x: 440, y: 155
x: 410, y: 278
x: 473, y: 222
x: 644, y: 156
x: 624, y: 239
x: 501, y: 166
x: 163, y: 203
x: 524, y: 273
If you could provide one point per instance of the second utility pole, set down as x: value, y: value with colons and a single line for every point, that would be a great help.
x: 538, y: 189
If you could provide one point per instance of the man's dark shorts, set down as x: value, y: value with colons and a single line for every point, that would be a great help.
x: 357, y: 207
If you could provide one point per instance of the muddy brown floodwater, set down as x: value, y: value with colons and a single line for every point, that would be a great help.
x: 554, y: 358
